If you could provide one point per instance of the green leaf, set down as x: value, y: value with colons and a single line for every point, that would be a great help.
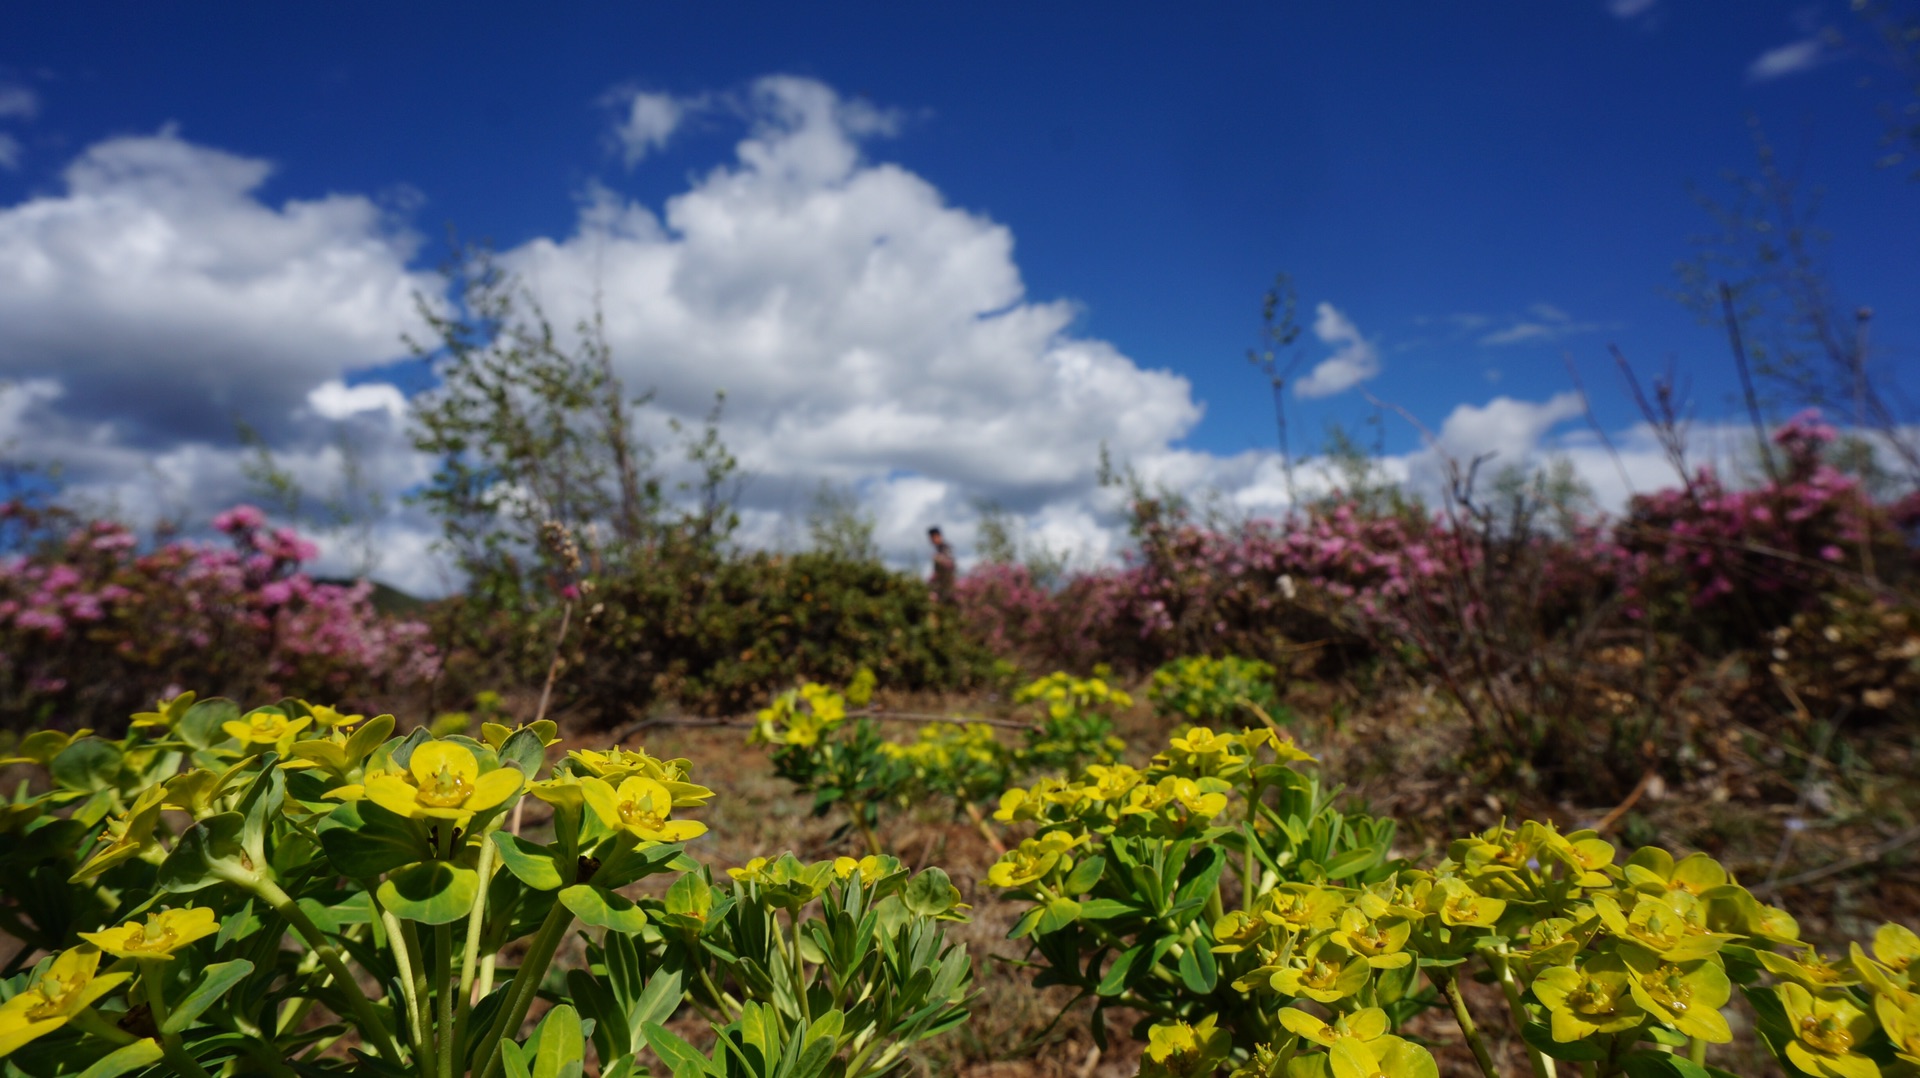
x: 1351, y: 862
x: 1115, y: 982
x: 208, y: 853
x: 430, y: 892
x: 132, y: 1057
x: 530, y: 862
x: 514, y: 1059
x: 1541, y: 1038
x: 560, y: 1044
x: 364, y: 840
x: 1101, y: 909
x: 931, y: 893
x: 1084, y: 876
x: 524, y: 750
x: 87, y: 764
x: 1058, y: 913
x: 602, y: 908
x: 677, y: 1054
x: 1646, y: 1064
x: 1197, y: 968
x: 214, y: 982
x: 200, y: 726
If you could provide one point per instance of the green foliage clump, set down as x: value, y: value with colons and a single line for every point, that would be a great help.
x: 732, y: 634
x: 293, y: 890
x: 1214, y: 692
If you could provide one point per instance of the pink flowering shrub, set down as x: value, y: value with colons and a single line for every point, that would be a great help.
x: 92, y: 627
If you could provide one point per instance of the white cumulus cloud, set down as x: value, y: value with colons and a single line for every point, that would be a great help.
x: 1354, y: 360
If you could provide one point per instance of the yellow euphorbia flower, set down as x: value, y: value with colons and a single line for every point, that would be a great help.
x: 1685, y: 995
x: 128, y: 835
x: 1825, y: 1034
x: 1811, y: 968
x: 264, y: 727
x: 1179, y: 1050
x: 1032, y: 859
x: 1672, y: 924
x: 1594, y: 998
x: 639, y: 806
x: 163, y: 934
x: 1460, y: 906
x: 1365, y: 1025
x: 1324, y: 972
x: 165, y: 715
x: 872, y: 868
x: 442, y: 782
x: 1902, y: 1026
x: 1381, y: 942
x: 332, y: 719
x: 495, y: 734
x: 68, y: 986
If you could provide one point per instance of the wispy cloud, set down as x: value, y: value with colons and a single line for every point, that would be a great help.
x: 1627, y: 9
x: 18, y: 102
x: 1355, y: 359
x: 1542, y: 322
x: 1789, y: 59
x: 9, y: 152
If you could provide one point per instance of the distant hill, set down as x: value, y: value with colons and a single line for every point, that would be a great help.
x: 386, y: 598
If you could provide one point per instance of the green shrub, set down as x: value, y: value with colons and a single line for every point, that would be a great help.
x: 732, y: 631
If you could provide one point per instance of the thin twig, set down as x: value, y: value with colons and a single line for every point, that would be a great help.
x: 1846, y: 864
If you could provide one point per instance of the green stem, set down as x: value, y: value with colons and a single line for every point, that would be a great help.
x: 443, y: 995
x: 150, y: 978
x: 403, y: 964
x: 800, y: 971
x: 370, y: 1022
x: 1450, y: 988
x: 525, y: 984
x: 1542, y: 1066
x: 470, y: 960
x: 1697, y: 1050
x: 94, y: 1023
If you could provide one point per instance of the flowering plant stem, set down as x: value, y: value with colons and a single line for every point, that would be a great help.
x: 152, y: 973
x: 525, y: 984
x: 283, y: 904
x: 1444, y: 980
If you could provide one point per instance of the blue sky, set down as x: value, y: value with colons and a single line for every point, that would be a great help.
x: 1441, y: 175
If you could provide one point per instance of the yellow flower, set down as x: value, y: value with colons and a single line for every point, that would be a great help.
x: 1901, y: 1024
x: 495, y: 734
x: 163, y: 934
x: 127, y: 836
x: 639, y: 806
x: 1825, y: 1032
x: 1324, y: 972
x: 1594, y: 998
x: 165, y: 714
x: 68, y: 986
x: 872, y: 868
x: 1364, y: 1025
x: 1179, y: 1050
x: 332, y: 719
x: 264, y: 726
x: 1458, y: 905
x: 1685, y: 995
x: 442, y: 782
x: 1032, y: 859
x: 1671, y: 924
x: 1381, y: 942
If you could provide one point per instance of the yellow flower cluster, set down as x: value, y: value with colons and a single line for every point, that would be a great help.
x: 1063, y: 694
x: 800, y: 716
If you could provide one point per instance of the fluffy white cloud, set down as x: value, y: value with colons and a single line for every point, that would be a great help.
x: 1789, y: 59
x: 649, y: 122
x: 865, y: 331
x: 167, y: 299
x: 1355, y: 359
x: 334, y: 399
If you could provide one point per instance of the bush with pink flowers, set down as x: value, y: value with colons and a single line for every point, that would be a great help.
x: 93, y: 626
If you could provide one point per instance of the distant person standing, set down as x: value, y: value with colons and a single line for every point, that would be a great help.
x: 944, y: 567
